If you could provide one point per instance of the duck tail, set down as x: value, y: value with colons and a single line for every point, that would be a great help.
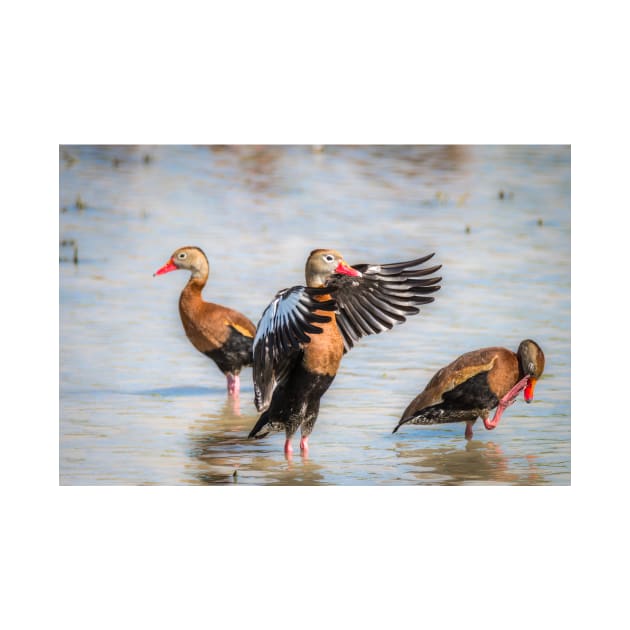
x: 261, y: 428
x: 397, y: 426
x: 402, y: 421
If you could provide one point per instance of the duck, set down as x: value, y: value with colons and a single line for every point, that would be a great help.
x: 474, y: 384
x: 224, y: 335
x: 304, y: 332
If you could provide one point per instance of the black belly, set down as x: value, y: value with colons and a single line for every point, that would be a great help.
x: 234, y: 354
x: 295, y: 404
x: 465, y: 402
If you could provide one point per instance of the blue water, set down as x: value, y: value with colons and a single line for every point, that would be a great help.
x: 140, y: 406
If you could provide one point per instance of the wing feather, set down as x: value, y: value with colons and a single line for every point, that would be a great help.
x: 381, y: 297
x: 281, y: 335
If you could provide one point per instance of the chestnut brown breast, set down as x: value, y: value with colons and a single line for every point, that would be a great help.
x: 208, y: 325
x: 322, y: 355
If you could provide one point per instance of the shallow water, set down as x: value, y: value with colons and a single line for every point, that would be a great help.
x: 140, y: 406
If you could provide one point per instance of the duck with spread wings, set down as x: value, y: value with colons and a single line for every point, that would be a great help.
x: 305, y: 331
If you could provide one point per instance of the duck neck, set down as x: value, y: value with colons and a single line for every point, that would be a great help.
x: 316, y: 280
x: 191, y: 294
x: 195, y: 284
x: 199, y: 274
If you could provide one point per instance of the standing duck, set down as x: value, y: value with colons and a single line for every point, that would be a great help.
x: 305, y: 331
x: 222, y: 334
x: 475, y: 383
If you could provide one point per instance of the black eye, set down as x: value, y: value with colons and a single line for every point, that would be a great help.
x: 181, y: 255
x: 329, y: 258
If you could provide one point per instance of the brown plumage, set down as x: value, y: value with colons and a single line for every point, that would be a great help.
x: 304, y: 332
x: 322, y: 354
x: 475, y: 383
x: 222, y: 334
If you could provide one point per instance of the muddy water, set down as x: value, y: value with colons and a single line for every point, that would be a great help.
x: 140, y: 406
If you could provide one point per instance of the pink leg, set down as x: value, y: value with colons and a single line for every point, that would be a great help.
x: 510, y: 397
x: 505, y: 402
x: 304, y: 444
x: 491, y: 424
x: 288, y: 449
x: 469, y: 429
x: 233, y: 384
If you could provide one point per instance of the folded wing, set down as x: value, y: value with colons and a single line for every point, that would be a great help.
x: 282, y: 333
x: 383, y: 295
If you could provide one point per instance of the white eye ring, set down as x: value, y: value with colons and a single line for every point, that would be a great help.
x: 329, y: 258
x: 181, y: 255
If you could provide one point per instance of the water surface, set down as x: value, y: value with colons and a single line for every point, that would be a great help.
x: 140, y: 406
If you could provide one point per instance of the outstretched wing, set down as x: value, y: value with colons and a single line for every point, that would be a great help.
x: 383, y: 295
x: 282, y: 333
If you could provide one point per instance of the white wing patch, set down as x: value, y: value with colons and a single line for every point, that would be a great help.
x: 282, y: 332
x: 278, y: 313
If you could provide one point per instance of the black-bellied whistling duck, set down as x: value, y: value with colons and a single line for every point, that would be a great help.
x: 304, y: 332
x: 221, y: 333
x: 475, y: 383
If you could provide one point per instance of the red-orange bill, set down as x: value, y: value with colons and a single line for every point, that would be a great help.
x: 169, y: 266
x: 529, y: 390
x: 346, y: 270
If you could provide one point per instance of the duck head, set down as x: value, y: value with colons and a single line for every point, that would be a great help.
x: 189, y: 258
x: 322, y: 264
x: 532, y: 364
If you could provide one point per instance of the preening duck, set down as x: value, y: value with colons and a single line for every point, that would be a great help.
x: 222, y: 334
x: 304, y: 332
x: 475, y: 383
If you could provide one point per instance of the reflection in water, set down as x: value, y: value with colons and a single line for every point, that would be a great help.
x: 223, y: 429
x: 224, y: 455
x: 138, y: 406
x: 473, y: 462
